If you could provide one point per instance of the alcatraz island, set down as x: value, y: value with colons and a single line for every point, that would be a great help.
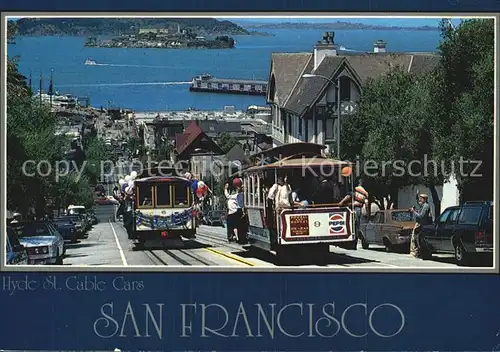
x: 163, y: 38
x: 171, y: 33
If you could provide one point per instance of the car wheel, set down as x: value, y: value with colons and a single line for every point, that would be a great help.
x: 460, y: 254
x: 59, y: 259
x: 388, y: 245
x: 364, y: 244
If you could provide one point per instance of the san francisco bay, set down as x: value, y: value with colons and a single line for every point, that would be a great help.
x: 158, y: 79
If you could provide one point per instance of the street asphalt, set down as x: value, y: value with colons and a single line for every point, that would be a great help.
x: 107, y: 245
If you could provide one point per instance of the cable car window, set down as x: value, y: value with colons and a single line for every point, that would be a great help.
x: 144, y: 196
x: 181, y: 191
x: 163, y: 194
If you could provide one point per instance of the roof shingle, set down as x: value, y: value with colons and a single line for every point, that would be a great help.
x: 286, y: 68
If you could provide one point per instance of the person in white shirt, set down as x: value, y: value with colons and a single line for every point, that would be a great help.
x: 234, y: 211
x: 281, y: 193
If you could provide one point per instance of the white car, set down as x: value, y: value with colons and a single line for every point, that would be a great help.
x: 43, y: 243
x: 76, y: 209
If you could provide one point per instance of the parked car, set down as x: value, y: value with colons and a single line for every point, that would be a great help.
x: 67, y: 228
x: 80, y: 226
x: 16, y: 252
x: 391, y: 228
x: 92, y: 217
x: 466, y: 231
x: 213, y: 218
x: 43, y: 242
x: 76, y: 209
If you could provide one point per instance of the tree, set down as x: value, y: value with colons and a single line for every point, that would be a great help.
x: 96, y: 152
x: 463, y: 102
x: 226, y: 141
x: 31, y: 137
x: 384, y: 135
x: 442, y: 117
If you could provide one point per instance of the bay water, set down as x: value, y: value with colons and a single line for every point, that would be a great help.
x: 158, y: 79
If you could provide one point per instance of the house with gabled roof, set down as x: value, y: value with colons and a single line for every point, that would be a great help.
x: 193, y: 141
x: 309, y: 91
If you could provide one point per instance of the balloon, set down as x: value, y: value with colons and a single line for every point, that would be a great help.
x: 124, y: 186
x: 194, y: 185
x: 188, y: 175
x: 133, y: 174
x: 237, y: 182
x: 201, y: 184
x: 346, y: 171
x: 131, y: 183
x: 199, y: 193
x: 121, y: 182
x: 127, y: 189
x: 127, y: 178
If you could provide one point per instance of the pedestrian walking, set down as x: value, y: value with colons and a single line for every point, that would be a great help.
x: 128, y: 215
x: 360, y: 197
x: 423, y: 217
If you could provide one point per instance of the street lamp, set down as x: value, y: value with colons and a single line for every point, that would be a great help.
x: 337, y: 85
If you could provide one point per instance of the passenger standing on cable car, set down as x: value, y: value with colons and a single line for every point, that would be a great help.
x: 358, y: 198
x: 234, y: 211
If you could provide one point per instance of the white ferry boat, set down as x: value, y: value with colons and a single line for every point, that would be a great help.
x: 90, y: 62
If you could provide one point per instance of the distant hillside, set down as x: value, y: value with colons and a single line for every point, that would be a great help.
x: 331, y: 26
x: 120, y: 26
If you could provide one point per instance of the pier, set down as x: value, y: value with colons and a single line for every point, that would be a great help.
x: 207, y: 83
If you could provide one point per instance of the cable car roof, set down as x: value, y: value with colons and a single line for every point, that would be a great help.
x: 303, y: 162
x: 162, y: 179
x: 290, y: 149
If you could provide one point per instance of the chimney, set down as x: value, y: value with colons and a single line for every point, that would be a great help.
x: 379, y: 46
x: 325, y: 47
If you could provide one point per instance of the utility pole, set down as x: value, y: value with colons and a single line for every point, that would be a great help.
x: 51, y: 86
x: 40, y: 90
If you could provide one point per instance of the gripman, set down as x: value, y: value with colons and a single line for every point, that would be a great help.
x: 293, y: 320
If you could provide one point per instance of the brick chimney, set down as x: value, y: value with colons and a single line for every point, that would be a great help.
x: 379, y: 46
x: 325, y: 47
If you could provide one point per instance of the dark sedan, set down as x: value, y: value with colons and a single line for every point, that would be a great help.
x: 67, y: 228
x: 80, y: 225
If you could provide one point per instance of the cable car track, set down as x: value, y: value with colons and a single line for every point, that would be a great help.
x: 218, y: 240
x: 176, y: 257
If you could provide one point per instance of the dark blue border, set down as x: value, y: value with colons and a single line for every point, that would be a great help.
x: 255, y: 6
x: 442, y: 312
